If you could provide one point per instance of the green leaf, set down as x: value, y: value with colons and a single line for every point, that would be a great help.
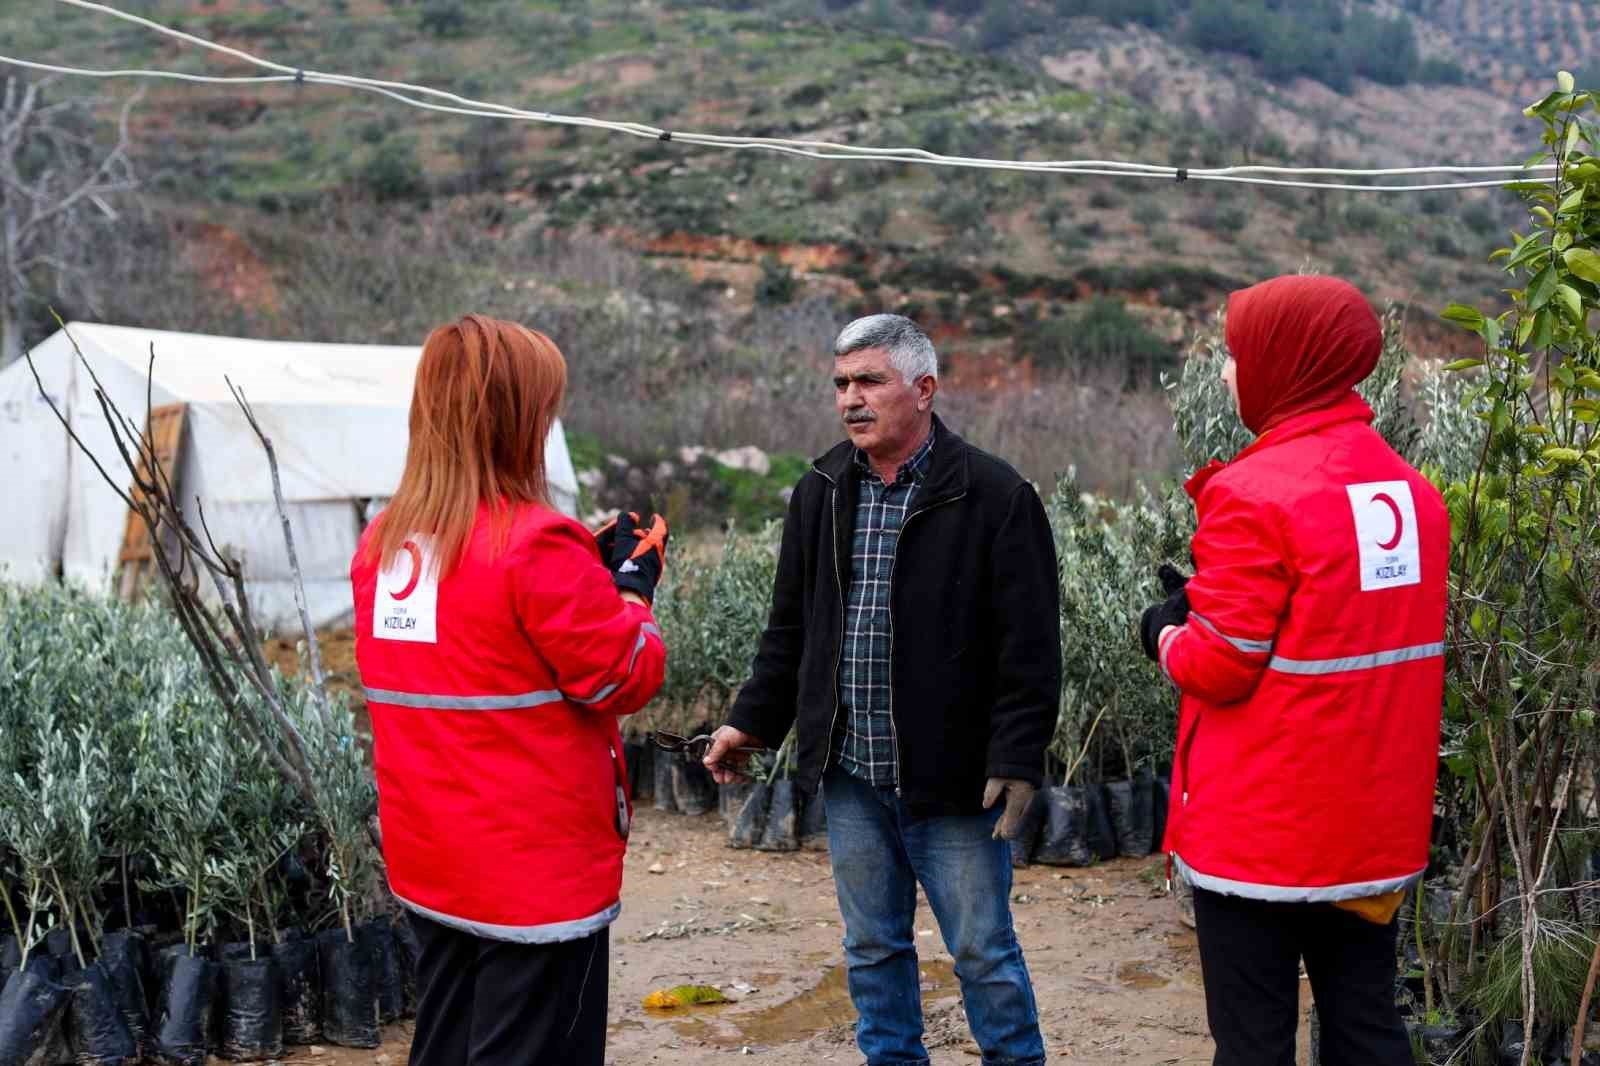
x: 1542, y: 287
x: 1557, y: 454
x: 1544, y: 330
x: 1564, y: 81
x: 1463, y: 364
x: 1568, y: 298
x: 1584, y: 262
x: 1464, y: 316
x: 1543, y: 106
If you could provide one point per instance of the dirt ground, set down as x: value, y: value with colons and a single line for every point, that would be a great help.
x: 1116, y: 976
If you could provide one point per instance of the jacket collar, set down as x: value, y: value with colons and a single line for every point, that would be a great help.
x: 1351, y: 408
x: 946, y: 478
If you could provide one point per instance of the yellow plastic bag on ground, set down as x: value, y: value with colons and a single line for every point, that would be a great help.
x: 683, y: 996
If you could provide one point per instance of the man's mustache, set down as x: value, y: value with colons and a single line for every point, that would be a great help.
x: 859, y: 416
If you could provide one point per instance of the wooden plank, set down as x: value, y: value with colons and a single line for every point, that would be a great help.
x: 165, y: 433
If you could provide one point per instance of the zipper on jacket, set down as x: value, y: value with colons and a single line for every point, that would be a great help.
x: 619, y: 782
x: 894, y: 732
x: 838, y: 659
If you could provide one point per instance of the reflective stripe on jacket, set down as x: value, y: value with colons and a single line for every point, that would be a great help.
x: 1311, y: 667
x: 494, y: 697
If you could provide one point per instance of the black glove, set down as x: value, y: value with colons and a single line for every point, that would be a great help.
x: 605, y: 538
x: 1173, y: 611
x: 637, y: 555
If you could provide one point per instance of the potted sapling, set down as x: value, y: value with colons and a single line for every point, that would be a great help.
x: 185, y: 773
x: 34, y: 1002
x: 78, y: 782
x: 260, y: 831
x: 347, y: 798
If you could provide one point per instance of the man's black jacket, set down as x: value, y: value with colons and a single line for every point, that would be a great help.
x: 975, y: 671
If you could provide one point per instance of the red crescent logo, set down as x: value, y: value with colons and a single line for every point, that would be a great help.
x: 416, y: 571
x: 1399, y: 523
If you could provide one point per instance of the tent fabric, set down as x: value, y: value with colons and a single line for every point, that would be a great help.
x: 336, y: 414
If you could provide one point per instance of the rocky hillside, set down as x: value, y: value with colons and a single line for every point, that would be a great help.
x: 314, y: 211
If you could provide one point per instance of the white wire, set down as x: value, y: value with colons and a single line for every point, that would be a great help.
x: 171, y: 75
x: 824, y: 150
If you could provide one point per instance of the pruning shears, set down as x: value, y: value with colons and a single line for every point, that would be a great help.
x: 696, y: 747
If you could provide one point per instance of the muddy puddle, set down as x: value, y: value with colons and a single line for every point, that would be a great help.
x: 813, y: 1011
x: 1142, y: 975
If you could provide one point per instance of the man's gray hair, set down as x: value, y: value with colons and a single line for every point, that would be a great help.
x: 909, y: 349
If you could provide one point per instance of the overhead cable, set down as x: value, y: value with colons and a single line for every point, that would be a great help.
x: 422, y: 97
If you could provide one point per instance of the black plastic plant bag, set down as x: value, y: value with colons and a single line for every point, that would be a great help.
x: 49, y: 967
x: 730, y: 800
x: 783, y: 815
x: 1163, y: 800
x: 813, y: 822
x: 1098, y: 834
x: 1512, y: 1040
x: 97, y: 1033
x: 663, y: 794
x: 751, y: 821
x: 409, y: 949
x: 58, y: 942
x: 378, y: 936
x: 152, y: 971
x: 349, y: 991
x: 188, y: 997
x: 252, y: 1021
x: 126, y: 959
x: 1438, y: 1041
x: 10, y: 954
x: 299, y: 971
x: 692, y: 787
x: 59, y: 1053
x: 638, y: 755
x: 32, y: 1008
x: 1132, y: 804
x: 1028, y: 830
x: 1063, y: 841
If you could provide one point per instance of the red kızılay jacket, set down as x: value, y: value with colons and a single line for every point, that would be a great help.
x: 1311, y: 667
x: 494, y: 695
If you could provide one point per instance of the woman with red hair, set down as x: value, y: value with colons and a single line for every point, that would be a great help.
x: 498, y: 642
x: 1308, y: 648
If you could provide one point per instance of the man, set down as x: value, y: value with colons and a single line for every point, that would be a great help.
x: 1309, y: 648
x: 914, y: 644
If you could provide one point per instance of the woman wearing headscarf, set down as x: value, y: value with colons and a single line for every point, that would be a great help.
x: 498, y: 642
x: 1308, y: 648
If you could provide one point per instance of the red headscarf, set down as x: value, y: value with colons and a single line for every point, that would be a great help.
x: 1300, y: 343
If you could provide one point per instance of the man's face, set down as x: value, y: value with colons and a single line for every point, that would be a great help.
x: 882, y: 413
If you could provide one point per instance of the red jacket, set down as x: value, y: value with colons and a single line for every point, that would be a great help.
x: 494, y: 694
x: 1311, y: 667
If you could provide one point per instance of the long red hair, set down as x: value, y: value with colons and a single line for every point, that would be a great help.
x: 485, y: 396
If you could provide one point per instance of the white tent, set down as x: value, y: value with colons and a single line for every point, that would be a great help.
x: 336, y: 414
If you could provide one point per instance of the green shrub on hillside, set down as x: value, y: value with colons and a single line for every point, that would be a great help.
x: 1103, y: 335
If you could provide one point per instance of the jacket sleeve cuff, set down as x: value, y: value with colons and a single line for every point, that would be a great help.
x: 1033, y: 775
x: 745, y: 722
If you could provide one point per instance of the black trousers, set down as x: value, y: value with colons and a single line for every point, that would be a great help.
x: 485, y: 1002
x: 1250, y: 951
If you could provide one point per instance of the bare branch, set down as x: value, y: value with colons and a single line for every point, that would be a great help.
x: 319, y: 686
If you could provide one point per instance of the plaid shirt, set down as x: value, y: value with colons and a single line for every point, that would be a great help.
x: 866, y: 748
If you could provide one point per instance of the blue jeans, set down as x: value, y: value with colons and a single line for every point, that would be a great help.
x: 879, y: 854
